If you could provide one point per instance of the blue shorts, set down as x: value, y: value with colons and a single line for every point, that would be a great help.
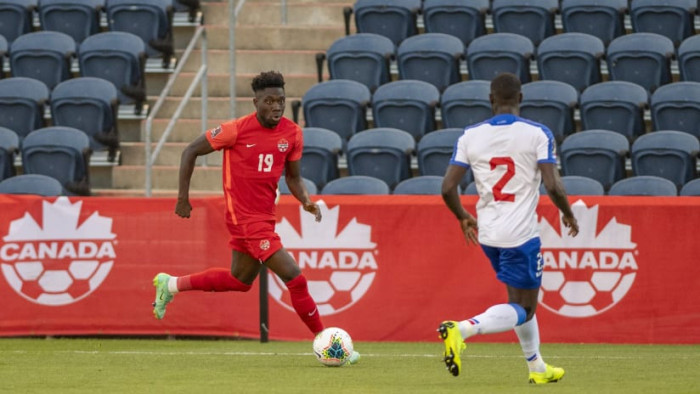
x: 519, y: 267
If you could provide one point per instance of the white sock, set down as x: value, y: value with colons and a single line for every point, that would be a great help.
x: 172, y: 285
x: 498, y: 318
x: 529, y: 336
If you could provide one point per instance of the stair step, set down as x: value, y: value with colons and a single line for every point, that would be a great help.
x: 133, y: 154
x: 272, y: 37
x: 250, y: 61
x: 267, y: 12
x: 217, y: 107
x: 166, y: 178
x: 218, y: 84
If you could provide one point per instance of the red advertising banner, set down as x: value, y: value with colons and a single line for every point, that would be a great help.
x: 385, y: 268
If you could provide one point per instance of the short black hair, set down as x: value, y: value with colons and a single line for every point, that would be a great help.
x: 267, y: 79
x: 506, y: 88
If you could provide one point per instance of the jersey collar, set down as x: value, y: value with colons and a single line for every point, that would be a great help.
x: 502, y: 119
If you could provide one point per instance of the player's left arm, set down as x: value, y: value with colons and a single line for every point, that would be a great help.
x: 292, y: 174
x: 450, y: 194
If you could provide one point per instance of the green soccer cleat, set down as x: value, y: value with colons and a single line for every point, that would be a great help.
x: 454, y: 346
x: 354, y: 358
x: 163, y: 295
x: 551, y: 375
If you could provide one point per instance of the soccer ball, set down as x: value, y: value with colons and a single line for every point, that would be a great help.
x: 333, y: 347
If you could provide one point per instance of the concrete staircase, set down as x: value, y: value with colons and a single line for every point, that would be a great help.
x: 262, y: 43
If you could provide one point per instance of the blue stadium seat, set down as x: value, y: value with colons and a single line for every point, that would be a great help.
x: 90, y: 105
x: 581, y: 186
x: 22, y: 104
x: 573, y: 58
x: 673, y: 19
x: 462, y: 19
x: 41, y: 185
x: 16, y: 18
x: 361, y: 57
x: 357, y: 184
x: 466, y: 103
x: 150, y: 20
x: 471, y: 189
x: 284, y: 189
x: 319, y: 163
x: 43, y: 55
x: 9, y: 147
x: 435, y: 150
x: 691, y: 188
x: 600, y: 18
x: 667, y: 154
x: 551, y: 103
x: 383, y: 153
x: 533, y: 19
x: 597, y: 154
x: 120, y: 58
x: 395, y: 20
x: 78, y: 19
x: 615, y: 105
x: 407, y: 105
x: 643, y: 185
x: 641, y: 58
x: 339, y: 105
x: 689, y: 59
x: 492, y: 54
x: 432, y: 58
x: 59, y: 152
x: 427, y: 184
x: 676, y: 106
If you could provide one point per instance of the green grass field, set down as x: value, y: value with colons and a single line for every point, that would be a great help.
x: 241, y: 366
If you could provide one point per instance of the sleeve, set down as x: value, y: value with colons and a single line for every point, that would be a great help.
x: 223, y: 136
x: 298, y: 147
x: 459, y: 155
x: 546, y: 147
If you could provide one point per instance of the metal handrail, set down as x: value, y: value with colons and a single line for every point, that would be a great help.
x: 200, y: 76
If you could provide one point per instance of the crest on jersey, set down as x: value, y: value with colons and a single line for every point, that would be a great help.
x: 215, y: 131
x: 264, y: 244
x: 283, y: 145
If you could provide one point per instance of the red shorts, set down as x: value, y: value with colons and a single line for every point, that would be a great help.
x: 257, y: 239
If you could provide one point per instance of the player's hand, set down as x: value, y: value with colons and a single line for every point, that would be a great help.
x: 571, y: 224
x: 469, y: 228
x: 183, y: 208
x: 314, y: 209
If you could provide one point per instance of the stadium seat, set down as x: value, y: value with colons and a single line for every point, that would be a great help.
x: 573, y: 58
x: 462, y: 19
x: 432, y: 58
x: 383, y: 153
x: 90, y: 105
x: 59, y: 152
x: 284, y: 189
x: 600, y: 18
x: 3, y: 52
x: 16, y: 18
x: 533, y: 19
x: 361, y: 57
x: 689, y: 59
x: 643, y: 185
x: 673, y: 19
x: 42, y: 185
x: 471, y: 189
x: 597, y: 154
x: 691, y: 188
x: 43, y: 55
x: 358, y: 184
x: 492, y: 54
x: 465, y: 103
x: 615, y: 105
x: 427, y: 184
x: 435, y: 150
x: 551, y: 103
x: 581, y: 186
x: 78, y: 19
x: 667, y: 154
x: 395, y: 20
x: 676, y: 106
x: 339, y: 105
x: 22, y: 104
x: 407, y: 105
x: 119, y: 58
x: 319, y: 163
x: 641, y: 58
x: 9, y: 146
x: 150, y: 20
x: 190, y: 6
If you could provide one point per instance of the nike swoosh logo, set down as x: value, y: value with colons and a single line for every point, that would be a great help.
x: 249, y: 145
x: 161, y: 297
x: 314, y: 312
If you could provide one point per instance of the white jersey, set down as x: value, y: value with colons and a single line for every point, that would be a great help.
x: 503, y: 153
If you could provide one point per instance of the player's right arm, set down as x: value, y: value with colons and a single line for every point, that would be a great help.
x: 199, y: 147
x: 557, y: 193
x: 450, y: 195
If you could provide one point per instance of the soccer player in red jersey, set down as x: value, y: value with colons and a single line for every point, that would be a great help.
x: 257, y: 148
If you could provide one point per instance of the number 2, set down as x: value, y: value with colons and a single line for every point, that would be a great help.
x: 497, y: 190
x: 266, y: 159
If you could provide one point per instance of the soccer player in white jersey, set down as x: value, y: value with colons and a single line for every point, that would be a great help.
x: 508, y: 156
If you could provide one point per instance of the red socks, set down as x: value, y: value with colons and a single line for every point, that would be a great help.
x: 213, y: 279
x: 303, y: 304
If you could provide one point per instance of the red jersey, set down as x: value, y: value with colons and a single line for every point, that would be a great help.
x: 254, y: 158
